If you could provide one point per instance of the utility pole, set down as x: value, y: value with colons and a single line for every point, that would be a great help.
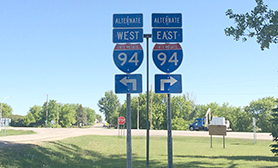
x: 46, y: 113
x: 57, y: 115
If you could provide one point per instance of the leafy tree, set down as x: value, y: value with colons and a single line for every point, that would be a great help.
x: 81, y: 117
x: 6, y: 110
x: 91, y: 115
x: 181, y: 108
x: 38, y: 115
x: 67, y: 115
x: 52, y: 111
x: 17, y: 120
x: 99, y: 117
x: 261, y: 23
x: 109, y: 106
x: 261, y: 110
x: 159, y: 112
x: 29, y: 120
x: 274, y: 132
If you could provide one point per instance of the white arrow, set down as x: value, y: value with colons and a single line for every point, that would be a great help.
x: 163, y: 81
x: 125, y: 81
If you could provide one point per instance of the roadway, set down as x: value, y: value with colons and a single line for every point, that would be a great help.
x: 52, y: 134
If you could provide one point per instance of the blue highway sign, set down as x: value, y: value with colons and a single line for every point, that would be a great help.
x: 166, y: 20
x: 167, y: 35
x: 128, y: 83
x: 167, y: 83
x: 167, y: 57
x: 127, y: 35
x: 127, y: 20
x: 128, y: 57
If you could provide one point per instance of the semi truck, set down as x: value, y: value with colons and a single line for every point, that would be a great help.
x: 203, y: 123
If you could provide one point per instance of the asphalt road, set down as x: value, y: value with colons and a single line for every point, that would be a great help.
x: 52, y: 134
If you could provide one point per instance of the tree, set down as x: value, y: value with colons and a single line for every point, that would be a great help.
x: 261, y: 110
x: 181, y: 108
x: 261, y: 23
x: 67, y: 115
x: 274, y: 132
x: 6, y: 110
x: 81, y: 117
x: 38, y: 114
x: 91, y: 115
x: 109, y: 106
x: 52, y: 111
x: 99, y: 118
x: 29, y: 120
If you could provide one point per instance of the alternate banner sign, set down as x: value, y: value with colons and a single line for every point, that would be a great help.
x: 166, y: 27
x: 127, y: 28
x: 166, y: 20
x: 128, y: 57
x: 128, y: 83
x: 167, y: 35
x: 127, y: 35
x: 166, y: 83
x: 167, y: 57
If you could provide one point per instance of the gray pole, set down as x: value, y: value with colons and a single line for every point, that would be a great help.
x: 151, y: 115
x: 254, y: 128
x: 169, y: 129
x: 46, y: 113
x: 57, y: 115
x: 128, y: 127
x: 147, y: 36
x: 137, y: 113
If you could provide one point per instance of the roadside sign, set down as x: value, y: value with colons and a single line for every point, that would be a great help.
x: 121, y: 120
x: 166, y: 27
x: 128, y: 57
x: 127, y: 35
x: 166, y: 20
x: 167, y: 57
x: 127, y: 28
x: 167, y: 35
x: 166, y: 83
x: 128, y: 20
x: 128, y: 83
x: 52, y: 121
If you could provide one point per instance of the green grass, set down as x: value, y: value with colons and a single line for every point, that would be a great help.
x: 8, y: 132
x: 110, y: 151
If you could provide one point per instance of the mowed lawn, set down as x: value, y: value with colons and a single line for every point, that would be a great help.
x: 110, y: 152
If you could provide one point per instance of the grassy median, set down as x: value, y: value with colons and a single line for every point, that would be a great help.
x: 8, y: 132
x: 110, y: 151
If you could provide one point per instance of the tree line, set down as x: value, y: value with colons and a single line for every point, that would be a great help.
x: 184, y: 110
x: 68, y: 115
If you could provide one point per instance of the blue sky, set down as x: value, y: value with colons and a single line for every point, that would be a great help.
x: 64, y: 49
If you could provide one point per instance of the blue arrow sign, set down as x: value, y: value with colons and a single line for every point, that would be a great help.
x: 167, y: 57
x: 128, y: 57
x: 127, y: 35
x: 128, y: 83
x: 166, y: 20
x: 167, y: 35
x: 127, y: 20
x: 168, y: 83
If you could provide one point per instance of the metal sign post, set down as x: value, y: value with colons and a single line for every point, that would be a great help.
x: 128, y: 128
x: 147, y: 36
x: 169, y: 130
